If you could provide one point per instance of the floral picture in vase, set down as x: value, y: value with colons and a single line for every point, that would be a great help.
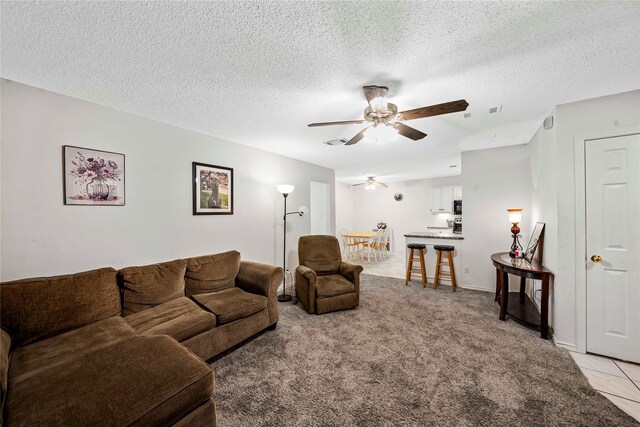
x: 93, y: 177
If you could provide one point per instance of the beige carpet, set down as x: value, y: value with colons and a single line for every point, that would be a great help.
x: 410, y: 357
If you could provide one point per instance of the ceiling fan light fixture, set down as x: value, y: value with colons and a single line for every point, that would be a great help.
x: 381, y: 133
x: 379, y: 104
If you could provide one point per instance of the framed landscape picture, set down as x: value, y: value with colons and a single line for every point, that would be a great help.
x: 93, y: 177
x: 212, y: 190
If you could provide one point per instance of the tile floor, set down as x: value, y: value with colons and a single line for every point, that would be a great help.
x: 393, y: 266
x: 617, y: 381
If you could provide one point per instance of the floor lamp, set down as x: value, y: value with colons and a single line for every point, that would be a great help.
x: 285, y: 190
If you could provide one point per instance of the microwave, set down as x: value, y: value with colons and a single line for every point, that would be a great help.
x: 457, y: 207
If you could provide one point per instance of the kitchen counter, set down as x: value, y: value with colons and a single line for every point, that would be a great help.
x: 436, y: 234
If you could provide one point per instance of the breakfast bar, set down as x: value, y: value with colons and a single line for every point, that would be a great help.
x: 435, y: 236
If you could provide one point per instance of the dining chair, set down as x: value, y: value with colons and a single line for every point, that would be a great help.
x: 375, y: 246
x: 349, y: 245
x: 386, y: 239
x: 358, y: 244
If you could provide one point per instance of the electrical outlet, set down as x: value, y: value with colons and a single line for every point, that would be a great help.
x: 466, y: 270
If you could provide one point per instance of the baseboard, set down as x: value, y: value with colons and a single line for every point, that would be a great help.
x: 476, y: 288
x: 568, y: 346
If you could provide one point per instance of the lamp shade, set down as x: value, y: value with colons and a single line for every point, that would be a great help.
x: 515, y: 215
x: 285, y: 188
x: 303, y: 210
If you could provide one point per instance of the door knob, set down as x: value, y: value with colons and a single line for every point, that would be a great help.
x: 596, y: 258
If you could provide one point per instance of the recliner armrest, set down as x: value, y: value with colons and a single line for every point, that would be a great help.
x: 260, y: 279
x: 350, y: 271
x: 308, y: 273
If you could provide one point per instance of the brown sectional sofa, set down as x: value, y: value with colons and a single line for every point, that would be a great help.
x: 128, y: 348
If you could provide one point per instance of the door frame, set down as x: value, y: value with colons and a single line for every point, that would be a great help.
x: 580, y: 142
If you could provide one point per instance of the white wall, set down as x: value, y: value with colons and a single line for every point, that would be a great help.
x: 42, y: 236
x: 363, y: 209
x: 544, y: 200
x: 493, y: 181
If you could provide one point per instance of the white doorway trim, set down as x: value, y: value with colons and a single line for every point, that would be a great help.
x: 580, y: 228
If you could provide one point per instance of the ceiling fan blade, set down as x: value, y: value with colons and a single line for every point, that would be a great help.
x: 346, y: 122
x: 409, y: 132
x: 435, y: 110
x: 362, y: 183
x: 358, y: 137
x: 381, y: 184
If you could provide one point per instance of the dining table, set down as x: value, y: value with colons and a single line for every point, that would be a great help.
x: 361, y: 237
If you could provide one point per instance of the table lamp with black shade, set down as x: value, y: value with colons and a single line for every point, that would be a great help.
x: 515, y: 216
x: 285, y: 190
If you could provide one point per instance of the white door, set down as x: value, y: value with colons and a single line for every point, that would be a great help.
x: 319, y: 209
x: 613, y: 234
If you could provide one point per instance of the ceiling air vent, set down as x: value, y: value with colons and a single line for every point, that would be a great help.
x: 467, y: 115
x: 340, y: 141
x: 494, y: 110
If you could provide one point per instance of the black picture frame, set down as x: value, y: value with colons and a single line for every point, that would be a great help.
x: 218, y: 202
x: 536, y: 240
x: 75, y: 186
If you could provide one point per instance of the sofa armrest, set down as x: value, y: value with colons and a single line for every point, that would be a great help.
x: 260, y: 279
x: 352, y: 273
x: 5, y: 351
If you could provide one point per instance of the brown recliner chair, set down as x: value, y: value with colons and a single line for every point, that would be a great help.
x: 323, y: 282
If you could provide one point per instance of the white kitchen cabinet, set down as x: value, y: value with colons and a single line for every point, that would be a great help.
x: 457, y: 193
x: 442, y: 200
x: 436, y: 200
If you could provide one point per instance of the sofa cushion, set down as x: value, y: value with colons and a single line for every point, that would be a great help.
x: 211, y: 273
x: 133, y: 381
x: 37, y: 308
x: 232, y: 304
x: 180, y: 318
x: 58, y: 350
x: 151, y: 285
x: 333, y: 285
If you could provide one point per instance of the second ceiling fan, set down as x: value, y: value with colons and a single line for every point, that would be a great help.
x: 383, y: 113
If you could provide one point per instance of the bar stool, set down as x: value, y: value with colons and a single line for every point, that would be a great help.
x: 451, y: 274
x: 421, y: 248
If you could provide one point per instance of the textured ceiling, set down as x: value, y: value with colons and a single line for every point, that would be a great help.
x: 257, y: 72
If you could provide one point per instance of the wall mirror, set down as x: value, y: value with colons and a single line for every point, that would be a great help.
x: 534, y: 241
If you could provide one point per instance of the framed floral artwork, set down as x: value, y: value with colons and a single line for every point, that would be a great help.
x: 212, y: 189
x: 93, y: 177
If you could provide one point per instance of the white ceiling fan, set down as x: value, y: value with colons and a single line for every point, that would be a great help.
x: 371, y: 184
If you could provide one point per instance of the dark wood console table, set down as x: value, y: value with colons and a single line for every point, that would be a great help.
x: 517, y: 304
